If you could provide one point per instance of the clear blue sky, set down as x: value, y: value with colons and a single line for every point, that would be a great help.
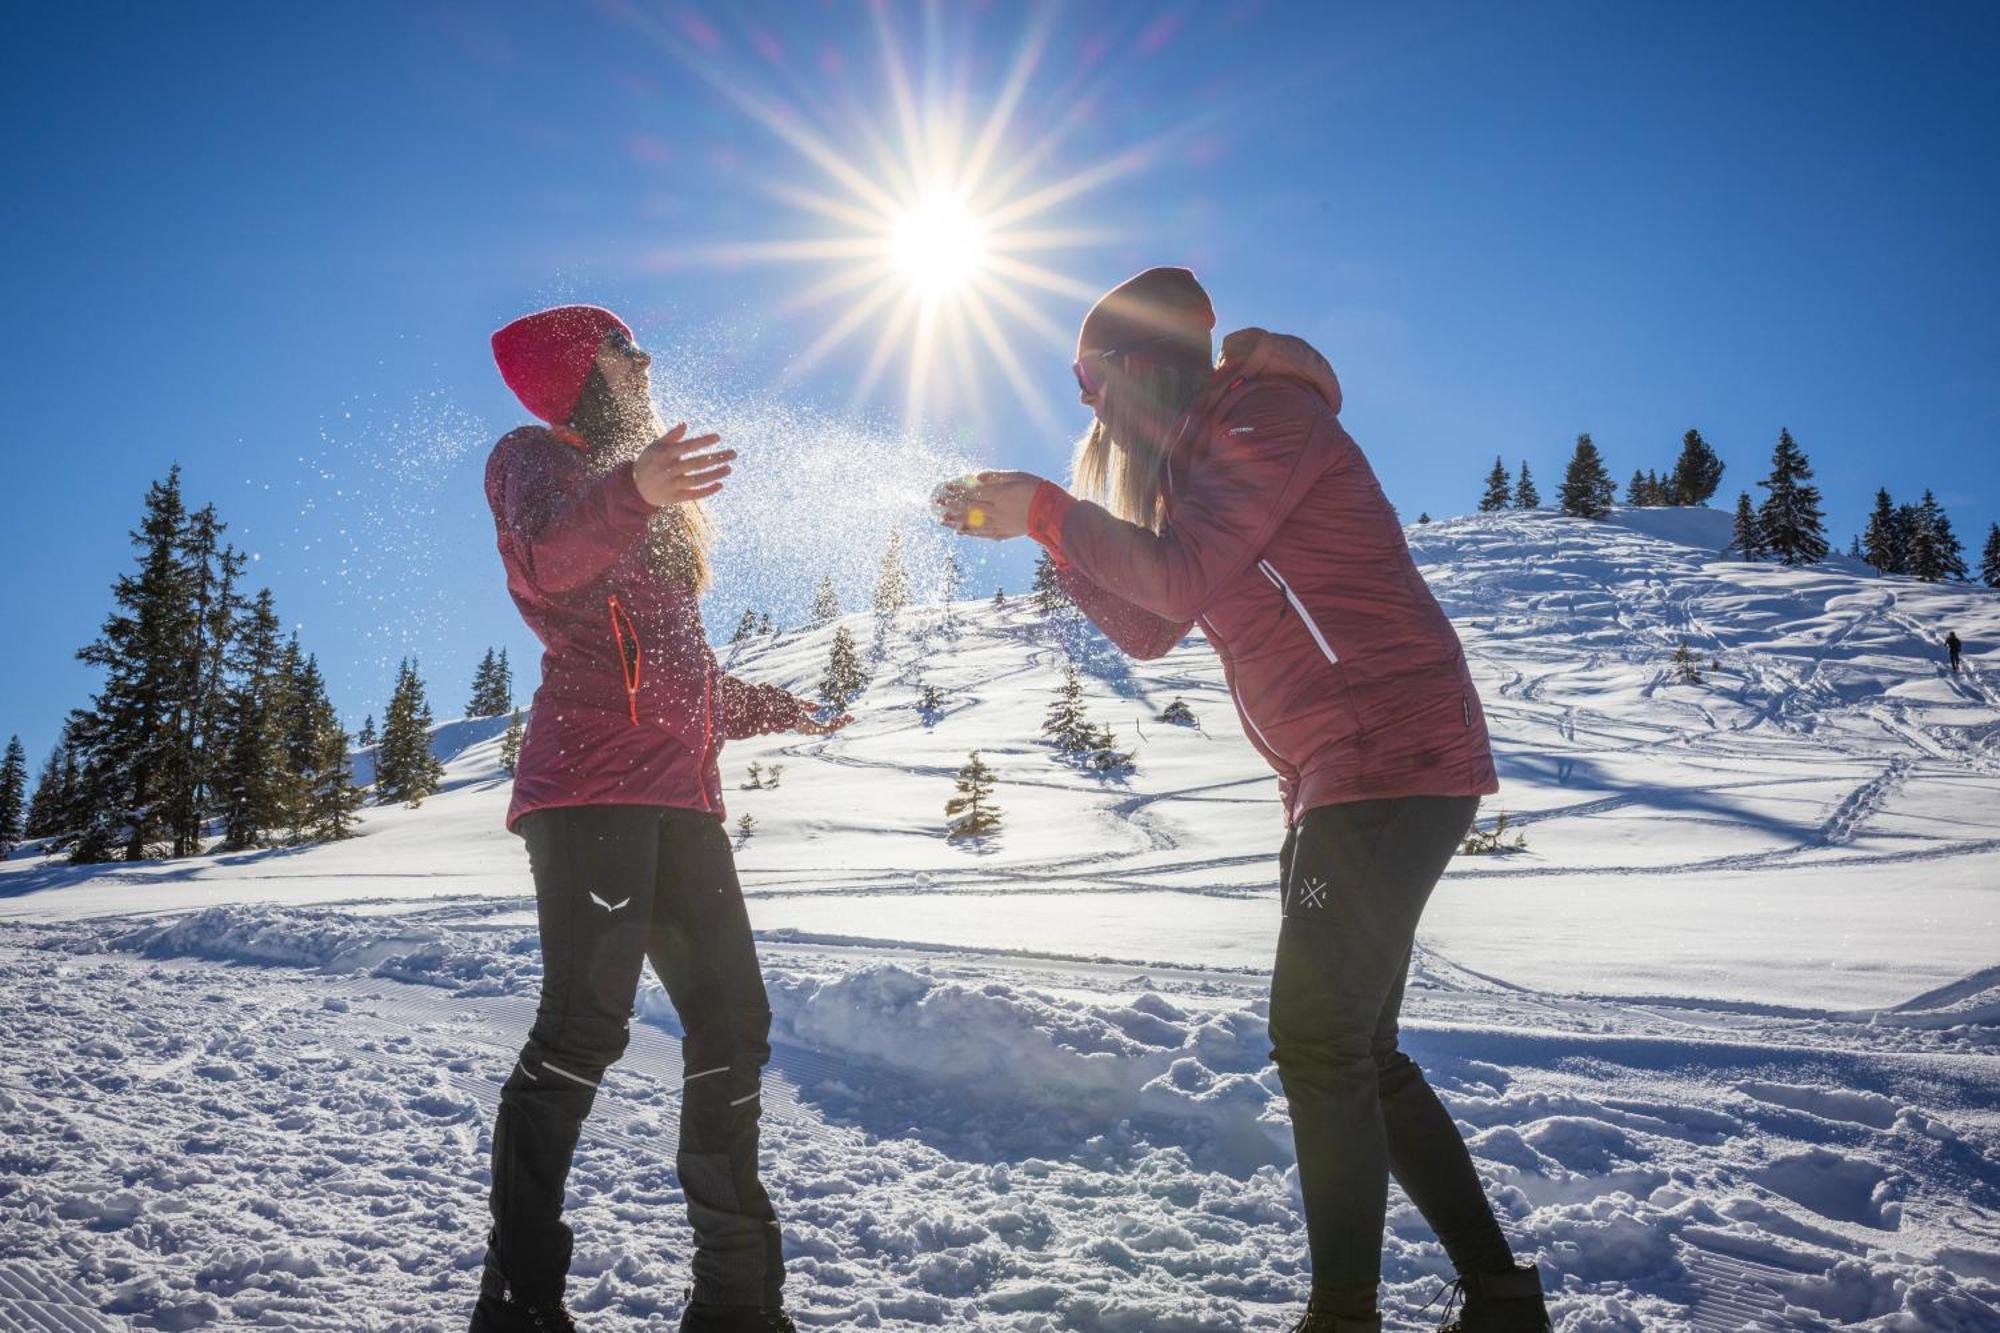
x: 269, y: 241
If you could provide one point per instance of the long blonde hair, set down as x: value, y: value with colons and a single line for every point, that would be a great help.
x: 1122, y: 465
x: 679, y: 538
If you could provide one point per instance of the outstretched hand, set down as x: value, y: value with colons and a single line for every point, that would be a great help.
x: 674, y: 470
x: 813, y: 726
x: 989, y: 504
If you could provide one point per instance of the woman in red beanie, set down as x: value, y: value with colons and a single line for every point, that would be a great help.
x: 618, y: 794
x: 1229, y: 496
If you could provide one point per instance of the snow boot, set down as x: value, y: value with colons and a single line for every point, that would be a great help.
x: 708, y: 1317
x: 1509, y: 1302
x: 1319, y: 1319
x: 499, y: 1311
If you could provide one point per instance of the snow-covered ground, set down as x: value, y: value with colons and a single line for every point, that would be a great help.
x: 1722, y: 1035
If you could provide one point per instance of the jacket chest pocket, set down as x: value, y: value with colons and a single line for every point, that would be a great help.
x: 1292, y: 606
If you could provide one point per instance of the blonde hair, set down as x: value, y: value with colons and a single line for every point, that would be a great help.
x: 1121, y: 460
x: 680, y: 536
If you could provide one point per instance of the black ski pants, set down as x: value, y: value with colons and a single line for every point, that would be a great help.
x: 1355, y: 879
x: 616, y: 886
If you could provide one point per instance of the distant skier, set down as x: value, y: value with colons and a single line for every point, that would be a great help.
x: 618, y: 794
x: 1229, y: 496
x: 1953, y: 647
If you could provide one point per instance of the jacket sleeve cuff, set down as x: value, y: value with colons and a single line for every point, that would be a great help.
x: 1046, y: 512
x: 626, y: 505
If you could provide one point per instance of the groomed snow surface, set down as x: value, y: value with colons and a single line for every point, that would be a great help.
x: 1721, y: 1037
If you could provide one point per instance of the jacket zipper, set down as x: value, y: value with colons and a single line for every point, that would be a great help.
x: 1305, y: 617
x: 630, y: 664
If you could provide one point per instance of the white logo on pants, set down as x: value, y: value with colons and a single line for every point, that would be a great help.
x: 610, y: 906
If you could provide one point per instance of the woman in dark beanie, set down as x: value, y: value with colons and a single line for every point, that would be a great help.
x: 618, y: 794
x: 1229, y: 496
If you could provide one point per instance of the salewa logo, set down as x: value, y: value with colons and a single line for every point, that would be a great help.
x: 1312, y: 893
x: 610, y: 906
x: 1241, y: 430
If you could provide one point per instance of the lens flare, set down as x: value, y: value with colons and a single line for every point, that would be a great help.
x: 939, y: 246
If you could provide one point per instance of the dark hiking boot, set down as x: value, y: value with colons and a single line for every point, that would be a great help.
x: 708, y: 1317
x: 500, y: 1312
x: 1318, y: 1319
x: 1509, y: 1302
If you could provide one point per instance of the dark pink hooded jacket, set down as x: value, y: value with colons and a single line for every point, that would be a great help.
x: 1279, y: 542
x: 632, y: 709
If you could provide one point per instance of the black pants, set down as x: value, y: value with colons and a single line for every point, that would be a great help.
x: 1355, y: 880
x: 615, y: 886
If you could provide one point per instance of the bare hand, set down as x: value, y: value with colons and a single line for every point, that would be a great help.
x: 673, y: 470
x: 813, y: 726
x: 994, y: 505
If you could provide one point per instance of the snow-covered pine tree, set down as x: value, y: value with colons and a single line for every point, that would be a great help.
x: 321, y: 802
x: 13, y: 796
x: 333, y: 798
x: 971, y: 813
x: 1525, y: 494
x: 1103, y: 754
x: 482, y: 687
x: 510, y: 744
x: 1989, y: 561
x: 202, y: 719
x: 1635, y: 490
x: 258, y: 786
x: 953, y: 575
x: 405, y: 769
x: 1789, y: 519
x: 1499, y: 489
x: 1747, y: 537
x: 132, y: 733
x: 51, y: 811
x: 764, y: 625
x: 892, y: 585
x: 1067, y: 724
x: 1423, y: 518
x: 492, y: 686
x: 1697, y: 473
x: 1048, y: 590
x: 1881, y: 544
x: 825, y: 603
x: 366, y: 738
x: 1178, y: 713
x: 745, y: 627
x: 1943, y: 554
x: 844, y: 676
x: 1587, y: 488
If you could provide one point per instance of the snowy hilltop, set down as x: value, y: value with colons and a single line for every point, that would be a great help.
x: 1717, y: 1007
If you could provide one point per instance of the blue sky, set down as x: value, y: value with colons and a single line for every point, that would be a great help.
x: 269, y: 243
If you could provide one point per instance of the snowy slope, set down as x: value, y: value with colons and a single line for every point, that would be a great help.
x: 1722, y: 1033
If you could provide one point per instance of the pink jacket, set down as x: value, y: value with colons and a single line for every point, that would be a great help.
x: 1279, y: 542
x: 632, y: 709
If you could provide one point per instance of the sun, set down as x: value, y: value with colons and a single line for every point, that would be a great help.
x: 939, y: 246
x: 934, y: 216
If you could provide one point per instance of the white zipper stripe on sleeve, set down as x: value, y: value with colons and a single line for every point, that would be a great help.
x: 1271, y: 573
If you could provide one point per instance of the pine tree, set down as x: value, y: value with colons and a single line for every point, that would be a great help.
x: 366, y: 738
x: 1178, y: 713
x: 1747, y: 538
x: 892, y: 586
x: 1687, y: 665
x: 844, y: 677
x: 753, y: 776
x: 1587, y: 489
x: 1790, y: 519
x: 258, y: 786
x: 825, y: 604
x: 764, y: 623
x: 1934, y: 551
x: 1881, y: 544
x: 1525, y: 494
x: 1499, y: 489
x: 1697, y: 472
x: 332, y: 798
x: 482, y: 686
x: 492, y: 686
x: 930, y: 703
x: 1424, y: 518
x: 510, y: 744
x: 999, y: 598
x: 405, y: 769
x: 746, y: 825
x: 972, y: 813
x: 954, y: 576
x: 201, y: 717
x: 1635, y: 490
x: 13, y: 797
x: 772, y: 775
x: 745, y: 627
x: 52, y: 811
x: 1067, y: 725
x: 1048, y: 590
x: 1989, y: 563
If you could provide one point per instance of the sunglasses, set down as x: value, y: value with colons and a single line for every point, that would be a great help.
x: 623, y: 344
x: 1089, y: 373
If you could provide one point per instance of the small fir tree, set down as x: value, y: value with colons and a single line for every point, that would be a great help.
x: 1746, y: 536
x: 825, y: 603
x: 334, y: 798
x: 772, y: 775
x: 764, y: 625
x: 1499, y: 489
x: 1048, y: 590
x: 892, y: 586
x: 1789, y: 520
x: 746, y: 824
x: 510, y: 744
x: 1492, y: 841
x: 1525, y: 494
x: 745, y: 627
x: 844, y: 676
x: 971, y: 813
x: 1067, y: 724
x: 366, y: 738
x: 1178, y: 713
x: 51, y: 812
x: 999, y: 598
x: 1587, y: 489
x: 260, y: 789
x: 953, y: 575
x: 1697, y: 472
x: 1686, y: 665
x: 1635, y: 490
x: 1423, y: 518
x: 930, y: 703
x: 1989, y: 562
x: 753, y: 776
x: 1934, y: 549
x: 1881, y: 540
x: 13, y: 796
x: 406, y: 770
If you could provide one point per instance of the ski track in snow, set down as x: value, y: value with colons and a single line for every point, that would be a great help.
x: 1023, y: 1085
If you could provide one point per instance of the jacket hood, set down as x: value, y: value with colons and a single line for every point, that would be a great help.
x: 1259, y: 354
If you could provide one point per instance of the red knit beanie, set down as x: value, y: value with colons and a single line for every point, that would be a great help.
x: 1161, y: 303
x: 546, y: 357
